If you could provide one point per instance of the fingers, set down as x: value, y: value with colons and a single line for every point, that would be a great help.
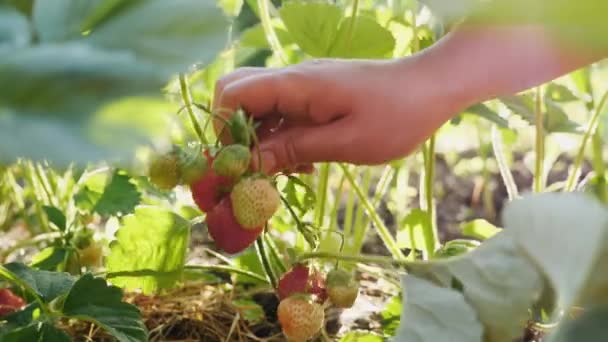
x: 299, y: 147
x: 297, y: 94
x: 220, y: 85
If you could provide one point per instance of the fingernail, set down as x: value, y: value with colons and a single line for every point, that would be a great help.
x: 269, y: 161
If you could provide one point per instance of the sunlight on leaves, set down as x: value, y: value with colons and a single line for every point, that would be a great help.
x: 149, y: 252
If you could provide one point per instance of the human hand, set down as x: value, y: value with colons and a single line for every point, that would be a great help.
x: 370, y: 112
x: 360, y: 112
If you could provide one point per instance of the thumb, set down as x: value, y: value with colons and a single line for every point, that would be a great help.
x: 304, y: 145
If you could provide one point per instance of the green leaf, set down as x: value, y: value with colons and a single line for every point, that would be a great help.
x: 254, y: 37
x: 485, y: 112
x: 556, y: 120
x: 50, y: 107
x: 60, y: 20
x: 391, y: 316
x: 91, y: 299
x: 39, y: 332
x: 49, y: 258
x: 55, y: 216
x: 73, y: 77
x: 562, y: 233
x: 411, y: 232
x: 24, y: 6
x: 559, y: 93
x: 299, y: 194
x: 522, y: 105
x: 20, y: 318
x: 85, y: 199
x: 486, y: 277
x: 120, y: 196
x: 589, y: 327
x: 231, y: 7
x: 359, y: 336
x: 456, y: 247
x: 249, y: 261
x: 151, y: 239
x: 171, y: 34
x: 47, y: 285
x: 433, y: 313
x: 479, y: 229
x: 14, y: 29
x: 312, y: 25
x: 368, y: 40
x: 582, y: 81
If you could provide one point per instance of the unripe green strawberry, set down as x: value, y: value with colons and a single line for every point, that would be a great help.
x: 164, y: 171
x: 254, y: 201
x: 232, y: 161
x: 342, y: 288
x: 300, y: 319
x: 193, y: 165
x: 240, y: 128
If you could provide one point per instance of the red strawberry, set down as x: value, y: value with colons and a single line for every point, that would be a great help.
x: 10, y: 302
x: 317, y: 286
x: 299, y: 280
x: 293, y: 281
x: 228, y: 235
x: 209, y: 190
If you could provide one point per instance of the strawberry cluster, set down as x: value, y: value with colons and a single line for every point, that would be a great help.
x: 303, y: 292
x: 238, y: 203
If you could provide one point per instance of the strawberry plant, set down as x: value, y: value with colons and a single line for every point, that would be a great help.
x: 134, y: 208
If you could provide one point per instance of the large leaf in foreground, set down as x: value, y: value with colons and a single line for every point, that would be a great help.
x: 149, y: 252
x: 553, y: 250
x: 90, y: 55
x: 91, y: 299
x: 433, y: 313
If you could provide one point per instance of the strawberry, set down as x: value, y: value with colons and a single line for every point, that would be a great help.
x: 91, y: 256
x: 240, y: 128
x: 293, y: 281
x: 317, y: 286
x: 164, y: 171
x: 193, y: 164
x: 10, y: 302
x: 228, y: 235
x: 232, y: 161
x: 254, y: 201
x: 209, y: 190
x: 342, y: 288
x: 300, y: 319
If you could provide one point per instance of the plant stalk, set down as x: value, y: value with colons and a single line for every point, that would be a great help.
x: 540, y: 144
x: 501, y: 160
x: 269, y: 32
x: 383, y: 231
x: 259, y: 246
x: 187, y: 98
x: 593, y: 123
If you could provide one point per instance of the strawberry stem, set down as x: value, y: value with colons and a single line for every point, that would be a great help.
x: 259, y: 246
x: 186, y: 96
x: 299, y: 224
x: 275, y: 254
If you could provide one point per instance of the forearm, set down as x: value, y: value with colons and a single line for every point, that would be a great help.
x: 474, y: 64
